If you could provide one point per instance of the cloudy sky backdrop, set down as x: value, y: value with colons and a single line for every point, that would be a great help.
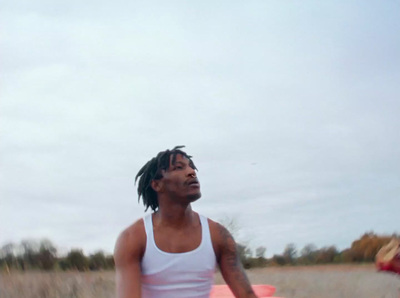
x: 290, y: 109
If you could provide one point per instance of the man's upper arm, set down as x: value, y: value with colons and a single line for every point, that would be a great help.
x: 128, y: 253
x: 230, y: 264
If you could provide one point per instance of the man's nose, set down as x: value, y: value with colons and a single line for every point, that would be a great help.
x: 191, y: 172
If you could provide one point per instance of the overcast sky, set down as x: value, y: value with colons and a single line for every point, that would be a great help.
x: 289, y: 108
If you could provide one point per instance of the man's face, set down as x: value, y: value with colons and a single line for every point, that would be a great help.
x: 180, y: 181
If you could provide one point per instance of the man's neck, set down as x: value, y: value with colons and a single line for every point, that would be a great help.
x: 175, y: 216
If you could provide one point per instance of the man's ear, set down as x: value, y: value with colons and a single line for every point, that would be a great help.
x: 157, y: 185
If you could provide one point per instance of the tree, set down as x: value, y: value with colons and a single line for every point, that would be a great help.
x: 260, y: 251
x: 47, y: 255
x: 110, y: 262
x: 97, y: 261
x: 77, y: 260
x: 279, y: 260
x: 326, y: 255
x: 308, y: 254
x: 260, y: 260
x: 290, y: 253
x: 366, y: 248
x: 8, y: 249
x: 7, y: 253
x: 64, y: 264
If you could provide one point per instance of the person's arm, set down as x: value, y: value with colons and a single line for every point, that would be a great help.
x: 230, y: 264
x: 127, y: 255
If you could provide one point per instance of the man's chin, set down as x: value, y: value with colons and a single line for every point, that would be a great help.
x: 194, y: 197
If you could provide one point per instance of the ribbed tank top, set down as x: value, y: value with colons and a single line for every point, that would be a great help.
x: 174, y: 275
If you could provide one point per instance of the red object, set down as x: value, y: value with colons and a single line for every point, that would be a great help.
x: 392, y: 266
x: 388, y: 257
x: 219, y: 291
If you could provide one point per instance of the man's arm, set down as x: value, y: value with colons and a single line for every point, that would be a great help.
x: 230, y: 264
x: 128, y: 253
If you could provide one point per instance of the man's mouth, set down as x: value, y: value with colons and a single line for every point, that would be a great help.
x: 194, y: 183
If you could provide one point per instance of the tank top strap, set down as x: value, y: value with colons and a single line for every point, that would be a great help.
x: 205, y: 231
x: 148, y: 226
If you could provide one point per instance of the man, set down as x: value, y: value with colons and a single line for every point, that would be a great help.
x: 173, y: 252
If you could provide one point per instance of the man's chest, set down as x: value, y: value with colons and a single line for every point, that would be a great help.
x: 177, y: 241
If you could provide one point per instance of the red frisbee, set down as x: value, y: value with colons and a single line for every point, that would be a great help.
x: 219, y: 291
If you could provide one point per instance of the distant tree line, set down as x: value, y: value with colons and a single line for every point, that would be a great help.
x: 362, y: 250
x: 42, y: 255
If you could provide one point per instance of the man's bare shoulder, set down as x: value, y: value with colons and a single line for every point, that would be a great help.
x: 217, y: 228
x: 131, y: 243
x: 214, y: 226
x: 219, y: 235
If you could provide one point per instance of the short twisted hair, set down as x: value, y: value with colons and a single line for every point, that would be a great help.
x: 152, y: 170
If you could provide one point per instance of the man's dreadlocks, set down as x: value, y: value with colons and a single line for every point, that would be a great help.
x: 152, y: 170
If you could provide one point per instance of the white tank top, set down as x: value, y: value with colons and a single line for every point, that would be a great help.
x: 178, y: 275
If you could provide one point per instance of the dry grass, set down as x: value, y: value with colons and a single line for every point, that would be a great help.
x: 57, y: 285
x: 339, y: 281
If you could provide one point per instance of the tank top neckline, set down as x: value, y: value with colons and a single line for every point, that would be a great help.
x: 153, y: 241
